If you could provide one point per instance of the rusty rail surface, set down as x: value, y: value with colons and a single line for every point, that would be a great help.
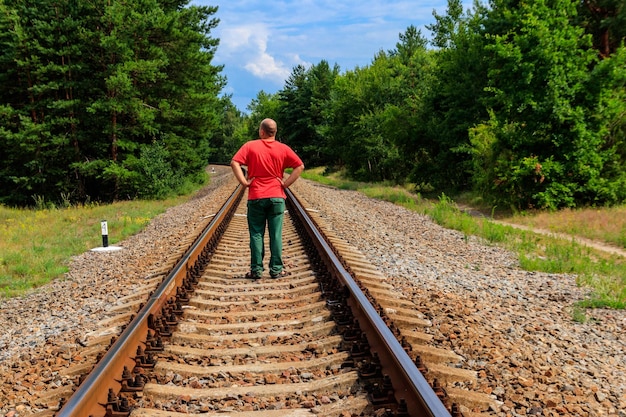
x: 91, y: 397
x: 410, y: 387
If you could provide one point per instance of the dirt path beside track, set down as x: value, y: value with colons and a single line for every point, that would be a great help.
x: 601, y: 246
x: 595, y: 244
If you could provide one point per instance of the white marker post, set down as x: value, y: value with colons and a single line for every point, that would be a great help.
x: 105, y: 233
x: 105, y: 240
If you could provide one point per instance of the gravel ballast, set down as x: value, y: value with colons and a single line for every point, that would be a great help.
x: 513, y: 327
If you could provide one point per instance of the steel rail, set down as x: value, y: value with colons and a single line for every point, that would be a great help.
x: 90, y: 398
x: 420, y: 397
x: 410, y: 386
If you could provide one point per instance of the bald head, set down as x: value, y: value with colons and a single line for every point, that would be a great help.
x: 269, y: 127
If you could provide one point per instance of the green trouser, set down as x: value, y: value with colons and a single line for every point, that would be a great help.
x: 264, y: 211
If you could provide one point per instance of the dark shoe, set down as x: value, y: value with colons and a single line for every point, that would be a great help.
x: 252, y: 275
x: 281, y: 274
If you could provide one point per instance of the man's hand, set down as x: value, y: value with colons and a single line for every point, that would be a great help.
x: 292, y: 177
x: 236, y: 166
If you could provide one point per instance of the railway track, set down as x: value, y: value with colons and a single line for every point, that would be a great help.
x: 332, y: 338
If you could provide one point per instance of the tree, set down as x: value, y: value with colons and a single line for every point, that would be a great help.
x: 301, y: 113
x: 607, y: 95
x: 264, y: 106
x: 605, y: 21
x: 374, y: 115
x: 40, y: 107
x: 358, y: 109
x: 231, y: 134
x: 88, y: 87
x: 159, y: 87
x: 544, y: 153
x: 455, y: 100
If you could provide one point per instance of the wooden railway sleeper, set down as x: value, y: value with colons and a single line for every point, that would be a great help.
x: 379, y: 387
x: 367, y: 363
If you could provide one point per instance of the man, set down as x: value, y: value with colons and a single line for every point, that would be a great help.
x: 266, y: 160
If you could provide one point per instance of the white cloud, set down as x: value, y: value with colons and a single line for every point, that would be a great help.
x: 246, y: 47
x: 261, y: 42
x: 233, y: 38
x: 295, y: 58
x: 265, y: 66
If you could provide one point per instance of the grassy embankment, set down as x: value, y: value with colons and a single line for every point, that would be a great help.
x: 604, y: 273
x: 36, y: 245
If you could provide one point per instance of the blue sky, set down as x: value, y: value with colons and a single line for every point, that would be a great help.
x: 262, y: 41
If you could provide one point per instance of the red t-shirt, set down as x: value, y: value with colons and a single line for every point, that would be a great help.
x: 266, y: 162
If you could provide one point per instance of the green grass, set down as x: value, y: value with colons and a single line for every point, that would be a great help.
x: 605, y: 224
x: 36, y: 245
x: 604, y: 274
x: 332, y: 179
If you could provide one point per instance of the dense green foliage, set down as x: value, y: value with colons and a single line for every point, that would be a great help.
x: 105, y: 99
x: 522, y: 103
